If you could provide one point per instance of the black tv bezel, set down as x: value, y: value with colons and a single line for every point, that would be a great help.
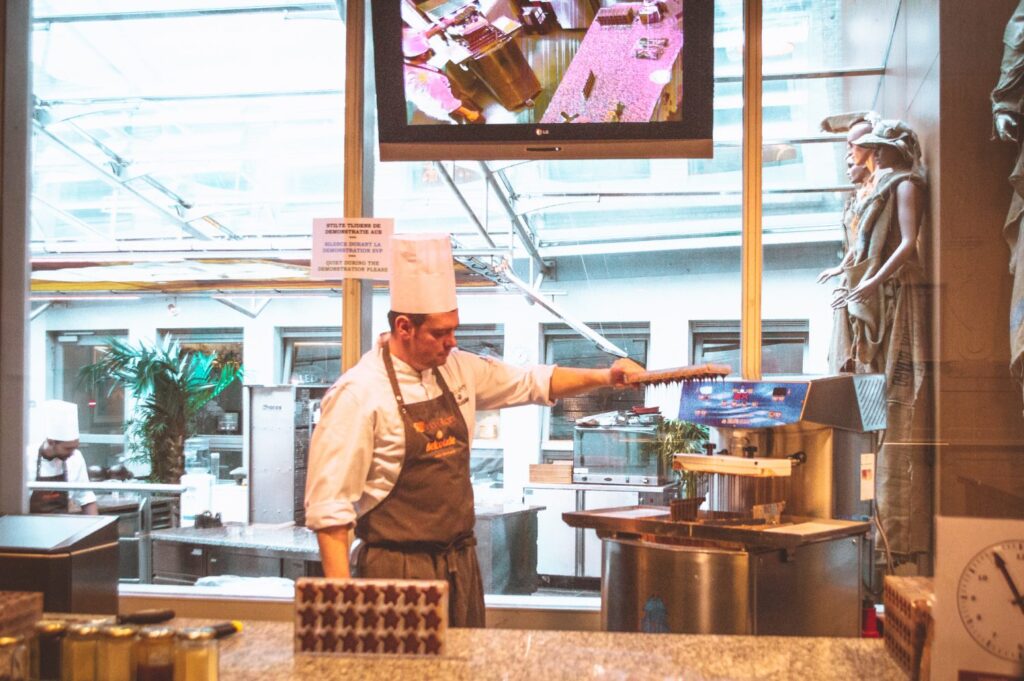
x: 689, y: 138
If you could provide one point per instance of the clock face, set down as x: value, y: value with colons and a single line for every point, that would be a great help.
x: 990, y: 599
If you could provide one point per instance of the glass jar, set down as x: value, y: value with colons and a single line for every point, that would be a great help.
x: 196, y: 657
x: 116, y: 658
x: 13, y: 658
x: 154, y: 654
x: 79, y: 653
x: 46, y: 649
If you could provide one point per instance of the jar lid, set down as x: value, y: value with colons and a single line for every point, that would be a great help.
x: 51, y: 627
x: 9, y: 641
x: 83, y: 630
x: 120, y: 631
x: 197, y: 634
x: 156, y: 632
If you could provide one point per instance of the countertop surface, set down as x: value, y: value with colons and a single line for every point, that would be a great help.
x: 263, y: 652
x: 288, y: 538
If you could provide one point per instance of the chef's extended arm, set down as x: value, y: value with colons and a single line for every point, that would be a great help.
x: 567, y: 381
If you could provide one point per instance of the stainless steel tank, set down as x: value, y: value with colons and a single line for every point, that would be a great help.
x: 656, y: 588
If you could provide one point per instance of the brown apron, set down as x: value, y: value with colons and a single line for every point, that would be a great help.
x: 423, y: 529
x: 49, y: 501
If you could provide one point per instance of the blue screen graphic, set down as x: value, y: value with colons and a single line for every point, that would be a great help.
x: 742, y: 404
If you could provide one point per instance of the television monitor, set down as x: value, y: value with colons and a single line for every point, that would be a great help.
x: 569, y: 79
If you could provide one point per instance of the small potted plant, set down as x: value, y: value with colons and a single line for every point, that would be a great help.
x: 683, y: 437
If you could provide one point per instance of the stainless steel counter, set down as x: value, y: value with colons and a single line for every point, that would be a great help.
x: 726, y: 575
x: 506, y: 536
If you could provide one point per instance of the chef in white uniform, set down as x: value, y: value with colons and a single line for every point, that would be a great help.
x: 59, y: 460
x: 390, y: 455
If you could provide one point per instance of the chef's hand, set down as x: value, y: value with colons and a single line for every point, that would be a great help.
x: 1006, y: 126
x: 621, y: 369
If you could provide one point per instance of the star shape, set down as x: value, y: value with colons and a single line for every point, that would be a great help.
x: 370, y: 594
x: 412, y: 643
x: 350, y: 617
x: 307, y: 641
x: 350, y: 642
x: 411, y: 619
x: 308, y: 590
x: 308, y: 617
x: 370, y: 617
x: 329, y: 593
x: 391, y: 594
x: 412, y: 595
x: 349, y: 593
x: 433, y: 645
x: 391, y: 643
x: 431, y: 620
x: 329, y: 618
x: 433, y: 595
x: 390, y: 618
x: 329, y: 640
x: 370, y: 642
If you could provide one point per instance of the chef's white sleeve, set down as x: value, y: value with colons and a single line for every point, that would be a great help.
x: 78, y: 471
x: 501, y: 385
x: 340, y: 453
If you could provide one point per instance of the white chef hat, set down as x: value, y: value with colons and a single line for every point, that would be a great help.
x: 60, y: 420
x: 422, y: 274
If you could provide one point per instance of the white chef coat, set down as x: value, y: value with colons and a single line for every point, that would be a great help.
x: 77, y: 472
x: 358, y: 446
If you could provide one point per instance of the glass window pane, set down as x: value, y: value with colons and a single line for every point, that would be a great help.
x: 100, y: 409
x: 574, y: 351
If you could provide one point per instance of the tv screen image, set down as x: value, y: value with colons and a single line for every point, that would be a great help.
x: 494, y: 79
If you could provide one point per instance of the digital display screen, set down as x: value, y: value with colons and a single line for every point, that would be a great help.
x: 743, y: 404
x: 504, y: 79
x: 551, y: 63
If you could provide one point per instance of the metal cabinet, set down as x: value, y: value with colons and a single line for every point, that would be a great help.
x: 183, y: 563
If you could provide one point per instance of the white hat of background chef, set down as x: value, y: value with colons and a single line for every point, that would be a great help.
x: 61, y: 420
x: 422, y: 274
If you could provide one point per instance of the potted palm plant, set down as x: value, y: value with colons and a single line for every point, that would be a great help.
x: 683, y: 437
x: 171, y: 386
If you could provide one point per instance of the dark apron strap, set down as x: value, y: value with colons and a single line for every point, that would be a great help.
x: 389, y: 365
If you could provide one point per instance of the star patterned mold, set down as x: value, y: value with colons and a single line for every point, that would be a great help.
x: 370, y: 616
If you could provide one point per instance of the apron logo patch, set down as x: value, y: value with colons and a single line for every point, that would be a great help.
x: 440, y: 444
x: 441, y: 424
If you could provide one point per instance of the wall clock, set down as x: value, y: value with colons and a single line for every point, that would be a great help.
x: 979, y: 599
x: 990, y: 601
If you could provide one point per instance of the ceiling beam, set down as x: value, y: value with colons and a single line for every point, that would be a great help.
x: 116, y: 182
x: 185, y: 13
x: 519, y: 222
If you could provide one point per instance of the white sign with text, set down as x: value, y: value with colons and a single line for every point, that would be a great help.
x: 350, y: 248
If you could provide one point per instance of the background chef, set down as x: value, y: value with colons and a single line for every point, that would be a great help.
x: 390, y: 455
x: 58, y: 459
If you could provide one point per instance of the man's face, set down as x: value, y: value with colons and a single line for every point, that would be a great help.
x: 62, y: 449
x: 857, y: 157
x: 431, y: 342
